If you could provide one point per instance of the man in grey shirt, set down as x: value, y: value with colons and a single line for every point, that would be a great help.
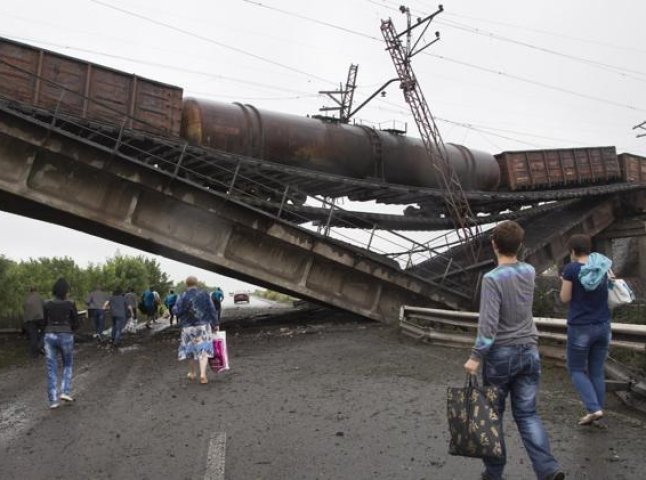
x: 507, y: 346
x: 95, y: 302
x: 34, y: 321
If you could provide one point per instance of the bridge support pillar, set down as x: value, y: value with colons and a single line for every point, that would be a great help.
x: 603, y: 245
x: 641, y: 255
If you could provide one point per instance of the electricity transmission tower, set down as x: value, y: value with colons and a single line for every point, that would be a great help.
x: 455, y: 199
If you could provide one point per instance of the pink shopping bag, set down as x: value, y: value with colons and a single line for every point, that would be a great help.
x: 220, y: 360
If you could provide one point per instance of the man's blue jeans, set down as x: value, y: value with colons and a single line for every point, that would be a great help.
x: 98, y: 319
x: 587, y: 349
x: 63, y: 343
x: 117, y: 328
x: 516, y: 371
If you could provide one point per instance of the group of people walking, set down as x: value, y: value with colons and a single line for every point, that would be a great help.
x: 58, y: 319
x: 506, y: 346
x: 196, y: 311
x: 121, y: 307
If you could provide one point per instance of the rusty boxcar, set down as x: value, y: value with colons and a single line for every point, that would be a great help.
x: 71, y: 86
x: 558, y: 167
x: 633, y: 167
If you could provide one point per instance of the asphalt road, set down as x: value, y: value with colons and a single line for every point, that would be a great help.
x: 323, y: 400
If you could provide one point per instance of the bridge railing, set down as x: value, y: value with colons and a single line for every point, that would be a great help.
x: 431, y: 324
x: 453, y: 328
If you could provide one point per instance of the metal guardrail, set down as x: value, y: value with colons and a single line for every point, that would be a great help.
x: 431, y: 324
x: 425, y: 322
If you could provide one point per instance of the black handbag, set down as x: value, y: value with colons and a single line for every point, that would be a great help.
x: 474, y: 422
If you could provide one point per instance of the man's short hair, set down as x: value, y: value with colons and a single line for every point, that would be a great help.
x: 580, y: 243
x: 508, y: 237
x: 191, y: 281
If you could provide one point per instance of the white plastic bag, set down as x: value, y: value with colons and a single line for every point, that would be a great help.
x: 619, y: 293
x: 131, y: 325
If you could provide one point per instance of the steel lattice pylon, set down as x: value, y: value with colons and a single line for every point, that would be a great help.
x: 343, y: 97
x: 455, y: 199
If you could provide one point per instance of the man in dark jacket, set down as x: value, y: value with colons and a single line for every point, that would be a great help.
x: 33, y: 321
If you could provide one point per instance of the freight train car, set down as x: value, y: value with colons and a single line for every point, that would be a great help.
x: 633, y: 168
x: 99, y: 94
x: 71, y: 86
x: 558, y: 168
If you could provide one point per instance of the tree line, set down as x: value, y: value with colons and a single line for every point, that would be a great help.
x: 120, y: 271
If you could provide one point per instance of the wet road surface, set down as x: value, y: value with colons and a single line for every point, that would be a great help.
x: 325, y: 400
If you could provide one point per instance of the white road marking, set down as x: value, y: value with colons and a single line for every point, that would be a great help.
x: 215, y: 457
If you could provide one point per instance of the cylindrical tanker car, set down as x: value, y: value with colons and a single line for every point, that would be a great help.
x: 341, y: 149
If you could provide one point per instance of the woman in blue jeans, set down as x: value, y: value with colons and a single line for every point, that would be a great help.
x: 60, y: 322
x: 585, y: 287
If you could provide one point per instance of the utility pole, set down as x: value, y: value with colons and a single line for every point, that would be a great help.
x: 343, y: 97
x: 455, y: 199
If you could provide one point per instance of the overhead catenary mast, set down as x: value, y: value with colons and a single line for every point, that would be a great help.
x: 455, y: 199
x: 343, y: 97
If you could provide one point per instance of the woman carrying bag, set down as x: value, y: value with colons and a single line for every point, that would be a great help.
x: 585, y: 287
x: 507, y: 347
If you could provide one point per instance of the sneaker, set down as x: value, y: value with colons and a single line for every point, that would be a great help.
x: 591, y: 417
x: 66, y: 398
x: 54, y: 405
x: 556, y: 476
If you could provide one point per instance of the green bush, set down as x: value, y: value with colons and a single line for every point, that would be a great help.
x: 121, y: 271
x: 274, y: 296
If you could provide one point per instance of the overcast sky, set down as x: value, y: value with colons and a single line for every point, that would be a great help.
x: 507, y: 75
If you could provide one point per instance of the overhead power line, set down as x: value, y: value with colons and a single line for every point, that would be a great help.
x: 537, y: 83
x: 313, y: 20
x: 138, y: 61
x: 624, y: 72
x: 459, y: 62
x: 485, y: 129
x: 549, y: 33
x: 211, y: 40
